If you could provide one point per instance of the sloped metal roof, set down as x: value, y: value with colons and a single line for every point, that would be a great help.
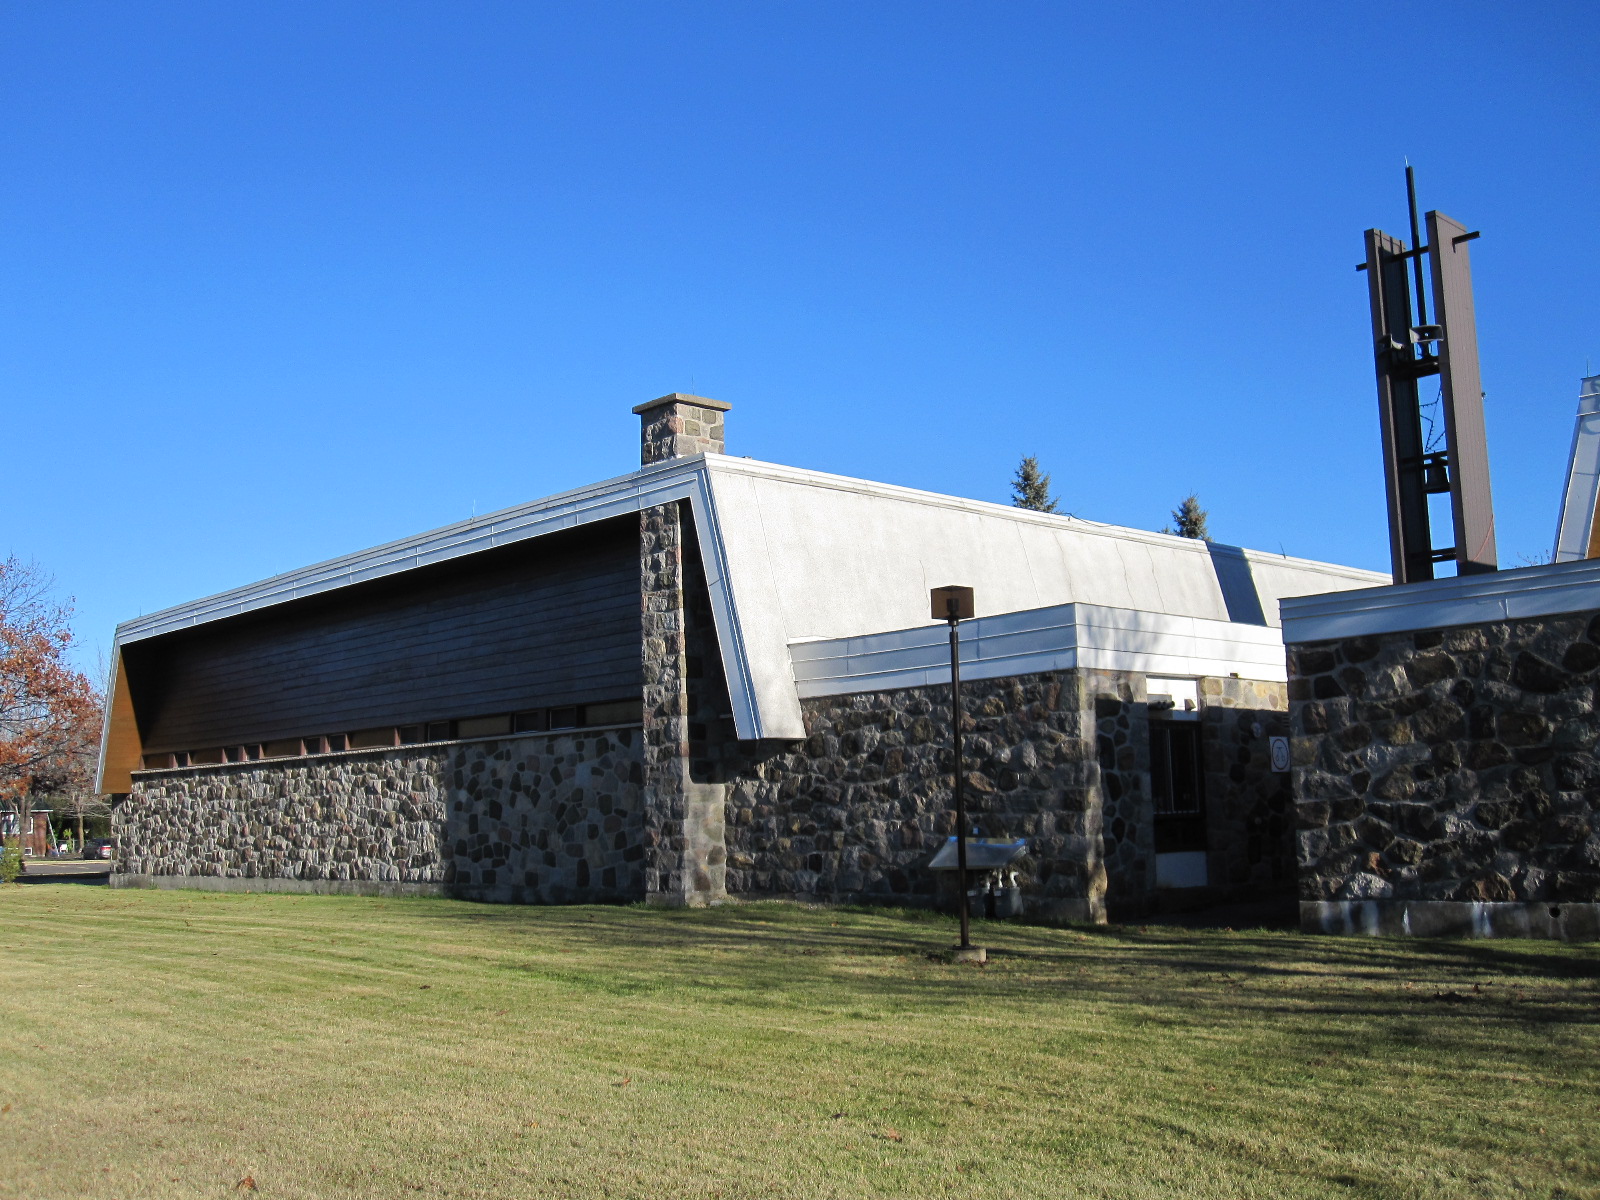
x: 792, y: 555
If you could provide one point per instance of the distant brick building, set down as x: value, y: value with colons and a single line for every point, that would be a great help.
x: 717, y: 678
x: 35, y: 839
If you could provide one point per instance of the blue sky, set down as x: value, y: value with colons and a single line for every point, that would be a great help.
x: 281, y: 281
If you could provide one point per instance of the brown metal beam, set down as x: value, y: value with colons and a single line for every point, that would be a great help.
x: 1471, y: 502
x: 1399, y: 414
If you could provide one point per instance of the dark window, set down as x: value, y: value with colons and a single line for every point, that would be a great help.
x: 535, y: 720
x: 472, y: 727
x: 616, y: 712
x: 1176, y: 781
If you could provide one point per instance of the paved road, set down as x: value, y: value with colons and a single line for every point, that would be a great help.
x: 65, y: 870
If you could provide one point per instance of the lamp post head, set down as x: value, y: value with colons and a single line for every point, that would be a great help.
x: 952, y: 603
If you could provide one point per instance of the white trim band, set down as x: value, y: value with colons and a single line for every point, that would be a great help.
x: 1059, y: 638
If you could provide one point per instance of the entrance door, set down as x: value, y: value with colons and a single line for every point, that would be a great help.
x: 1177, y: 782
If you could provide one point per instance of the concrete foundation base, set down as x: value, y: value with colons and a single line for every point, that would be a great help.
x: 1451, y: 918
x: 309, y: 887
x: 968, y: 954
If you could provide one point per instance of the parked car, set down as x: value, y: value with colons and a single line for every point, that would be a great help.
x: 97, y: 848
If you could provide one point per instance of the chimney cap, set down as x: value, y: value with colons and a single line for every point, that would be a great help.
x: 683, y: 398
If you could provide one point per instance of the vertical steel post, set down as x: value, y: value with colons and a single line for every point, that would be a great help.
x: 960, y: 790
x: 1399, y: 413
x: 1416, y: 244
x: 1470, y: 500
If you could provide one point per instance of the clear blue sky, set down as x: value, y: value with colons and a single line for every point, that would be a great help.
x: 281, y: 281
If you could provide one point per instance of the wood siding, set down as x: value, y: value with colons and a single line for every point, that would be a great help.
x: 553, y: 621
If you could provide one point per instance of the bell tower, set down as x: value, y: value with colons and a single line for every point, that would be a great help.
x: 1423, y: 454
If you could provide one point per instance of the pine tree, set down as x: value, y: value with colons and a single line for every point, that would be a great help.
x: 1031, y: 489
x: 1190, y: 519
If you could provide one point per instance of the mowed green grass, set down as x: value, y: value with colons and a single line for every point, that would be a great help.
x: 169, y: 1044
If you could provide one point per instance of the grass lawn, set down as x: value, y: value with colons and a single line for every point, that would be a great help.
x: 169, y: 1044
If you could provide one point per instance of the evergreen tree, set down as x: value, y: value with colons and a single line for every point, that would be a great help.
x: 1190, y: 519
x: 1031, y: 488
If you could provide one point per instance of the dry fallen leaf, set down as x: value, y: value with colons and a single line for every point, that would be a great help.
x: 5, y: 1108
x: 531, y: 1124
x: 424, y: 986
x: 624, y: 1083
x: 248, y: 1183
x: 892, y: 1135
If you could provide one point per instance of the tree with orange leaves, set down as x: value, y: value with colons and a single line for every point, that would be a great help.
x: 49, y: 712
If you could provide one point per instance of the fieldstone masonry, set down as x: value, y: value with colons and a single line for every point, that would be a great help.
x: 1249, y: 807
x: 684, y: 814
x: 684, y: 834
x: 1127, y: 824
x: 549, y: 820
x: 856, y: 811
x: 679, y: 426
x: 1446, y: 779
x: 545, y: 818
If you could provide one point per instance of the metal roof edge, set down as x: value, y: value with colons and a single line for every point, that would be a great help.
x: 579, y: 506
x: 589, y: 503
x: 1544, y: 590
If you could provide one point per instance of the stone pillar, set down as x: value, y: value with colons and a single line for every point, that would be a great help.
x: 678, y: 425
x: 686, y: 850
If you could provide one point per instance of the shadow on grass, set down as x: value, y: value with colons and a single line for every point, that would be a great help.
x: 789, y: 950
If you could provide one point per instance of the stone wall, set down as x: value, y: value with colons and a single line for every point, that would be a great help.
x: 553, y: 819
x: 1249, y: 807
x: 1446, y: 779
x: 856, y: 811
x: 1122, y: 748
x: 541, y: 818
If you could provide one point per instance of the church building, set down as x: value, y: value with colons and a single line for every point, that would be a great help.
x: 715, y: 679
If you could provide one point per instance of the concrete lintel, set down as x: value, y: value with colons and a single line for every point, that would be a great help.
x: 683, y: 398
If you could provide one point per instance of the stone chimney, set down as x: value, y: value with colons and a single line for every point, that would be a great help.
x: 679, y: 425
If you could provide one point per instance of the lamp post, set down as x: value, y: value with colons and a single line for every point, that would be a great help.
x: 954, y: 604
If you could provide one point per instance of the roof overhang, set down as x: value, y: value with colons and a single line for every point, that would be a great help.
x: 791, y: 554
